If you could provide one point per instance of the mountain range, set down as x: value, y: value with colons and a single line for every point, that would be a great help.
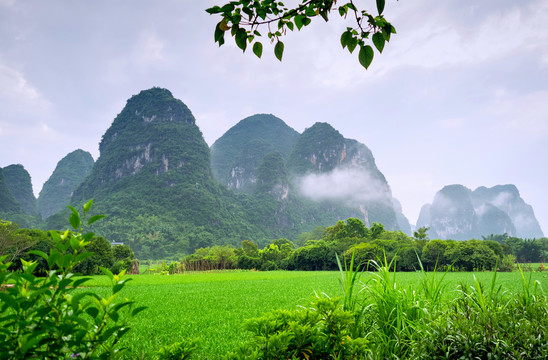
x: 166, y: 193
x: 459, y: 213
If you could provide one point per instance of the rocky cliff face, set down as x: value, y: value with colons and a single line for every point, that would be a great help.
x: 67, y: 176
x: 460, y: 214
x: 19, y: 182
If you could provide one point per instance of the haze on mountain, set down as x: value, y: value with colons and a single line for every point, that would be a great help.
x: 334, y: 176
x: 459, y: 213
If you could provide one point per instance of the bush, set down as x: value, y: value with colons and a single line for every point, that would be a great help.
x: 49, y: 317
x: 321, y: 331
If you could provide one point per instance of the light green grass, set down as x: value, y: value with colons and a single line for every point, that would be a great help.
x: 213, y: 305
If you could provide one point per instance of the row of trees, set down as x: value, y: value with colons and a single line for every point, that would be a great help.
x: 16, y: 242
x: 319, y: 248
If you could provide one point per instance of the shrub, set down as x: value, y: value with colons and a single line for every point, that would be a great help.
x: 49, y: 317
x: 320, y: 331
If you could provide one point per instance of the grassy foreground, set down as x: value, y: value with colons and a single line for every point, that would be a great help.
x: 212, y: 306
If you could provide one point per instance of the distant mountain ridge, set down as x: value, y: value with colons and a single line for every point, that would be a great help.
x: 459, y: 213
x: 236, y: 156
x: 20, y: 185
x: 69, y: 173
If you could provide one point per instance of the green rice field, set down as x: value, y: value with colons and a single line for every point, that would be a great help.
x: 211, y: 306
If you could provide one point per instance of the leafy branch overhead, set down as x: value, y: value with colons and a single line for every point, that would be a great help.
x: 243, y: 19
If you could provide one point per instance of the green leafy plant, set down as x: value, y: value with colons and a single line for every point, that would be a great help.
x: 320, y: 331
x: 243, y: 19
x: 51, y: 317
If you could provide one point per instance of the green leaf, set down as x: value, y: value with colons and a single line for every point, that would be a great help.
x: 74, y: 243
x: 39, y: 253
x: 352, y: 44
x: 74, y: 220
x: 219, y: 35
x: 114, y: 316
x: 248, y: 12
x: 299, y: 21
x: 227, y: 8
x: 306, y: 21
x: 386, y: 34
x: 380, y: 6
x: 95, y: 218
x: 279, y: 50
x: 87, y: 206
x: 55, y: 236
x: 345, y: 38
x: 378, y: 41
x: 213, y: 10
x: 290, y: 25
x: 236, y: 19
x: 138, y: 310
x: 258, y: 49
x: 82, y: 256
x: 107, y: 272
x: 117, y: 287
x: 310, y: 11
x: 9, y: 301
x: 241, y: 38
x: 80, y: 282
x: 366, y: 56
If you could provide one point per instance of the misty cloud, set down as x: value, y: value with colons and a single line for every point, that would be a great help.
x: 352, y: 186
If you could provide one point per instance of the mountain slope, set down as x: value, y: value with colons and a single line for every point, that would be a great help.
x: 153, y: 180
x: 326, y: 166
x: 67, y: 176
x: 19, y: 182
x: 8, y: 203
x: 236, y: 156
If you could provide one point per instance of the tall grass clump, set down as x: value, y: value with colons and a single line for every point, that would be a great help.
x: 394, y: 313
x: 380, y: 318
x: 489, y: 323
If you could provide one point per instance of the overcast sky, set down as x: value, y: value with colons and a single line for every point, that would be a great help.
x: 459, y: 95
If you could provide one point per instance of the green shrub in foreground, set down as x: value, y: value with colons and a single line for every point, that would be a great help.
x: 321, y: 331
x: 49, y: 317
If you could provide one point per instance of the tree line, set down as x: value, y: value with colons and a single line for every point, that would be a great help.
x: 315, y: 250
x: 318, y: 249
x: 16, y: 243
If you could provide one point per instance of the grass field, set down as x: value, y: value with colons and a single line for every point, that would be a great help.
x: 212, y: 306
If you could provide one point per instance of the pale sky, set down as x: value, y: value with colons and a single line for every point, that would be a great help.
x: 459, y: 95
